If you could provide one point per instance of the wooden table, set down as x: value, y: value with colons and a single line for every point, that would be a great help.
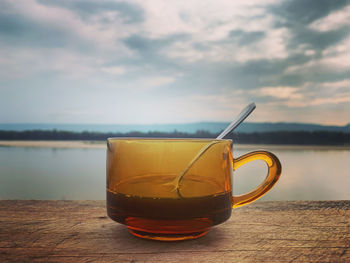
x: 79, y: 231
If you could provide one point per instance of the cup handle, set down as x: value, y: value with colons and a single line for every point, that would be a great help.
x: 273, y: 174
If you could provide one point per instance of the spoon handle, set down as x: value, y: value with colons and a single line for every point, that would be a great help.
x: 241, y: 117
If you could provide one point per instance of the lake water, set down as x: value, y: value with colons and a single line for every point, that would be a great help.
x: 56, y: 173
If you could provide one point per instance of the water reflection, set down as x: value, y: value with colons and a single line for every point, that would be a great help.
x: 53, y: 173
x: 321, y: 174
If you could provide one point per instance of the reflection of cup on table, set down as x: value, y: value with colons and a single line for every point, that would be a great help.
x: 149, y: 192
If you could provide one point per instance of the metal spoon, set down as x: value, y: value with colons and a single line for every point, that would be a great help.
x: 233, y: 125
x: 239, y: 119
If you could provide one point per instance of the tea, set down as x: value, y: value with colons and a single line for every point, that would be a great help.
x: 169, y: 216
x: 162, y: 211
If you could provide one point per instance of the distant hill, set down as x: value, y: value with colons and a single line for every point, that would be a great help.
x: 284, y: 126
x: 212, y: 127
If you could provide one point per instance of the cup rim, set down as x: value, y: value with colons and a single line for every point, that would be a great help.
x: 164, y: 139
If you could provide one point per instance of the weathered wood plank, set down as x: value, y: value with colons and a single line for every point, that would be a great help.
x: 79, y: 231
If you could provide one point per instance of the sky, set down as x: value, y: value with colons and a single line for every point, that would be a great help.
x: 141, y: 62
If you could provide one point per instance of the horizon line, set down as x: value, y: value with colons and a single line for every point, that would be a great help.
x: 160, y: 124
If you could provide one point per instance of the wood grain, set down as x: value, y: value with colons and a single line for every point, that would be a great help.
x: 80, y: 231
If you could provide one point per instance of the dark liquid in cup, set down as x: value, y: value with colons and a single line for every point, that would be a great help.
x: 169, y: 215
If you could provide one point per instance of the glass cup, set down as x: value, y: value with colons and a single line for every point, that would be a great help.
x: 177, y: 189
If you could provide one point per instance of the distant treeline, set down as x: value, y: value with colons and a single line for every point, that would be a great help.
x: 282, y: 137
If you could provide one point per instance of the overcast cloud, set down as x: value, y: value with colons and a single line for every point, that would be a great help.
x: 174, y: 61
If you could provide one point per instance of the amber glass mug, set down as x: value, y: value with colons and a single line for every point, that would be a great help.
x: 177, y: 189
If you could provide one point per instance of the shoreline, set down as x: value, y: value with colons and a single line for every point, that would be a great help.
x: 55, y: 144
x: 102, y: 145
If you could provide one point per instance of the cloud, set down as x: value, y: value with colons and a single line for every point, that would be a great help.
x: 332, y: 64
x: 300, y: 18
x: 279, y: 92
x: 267, y: 45
x: 333, y: 21
x: 102, y: 11
x: 304, y: 12
x: 288, y: 56
x: 22, y: 31
x: 310, y: 94
x: 246, y: 38
x: 158, y: 81
x: 146, y: 45
x: 34, y: 22
x: 338, y: 84
x: 340, y: 98
x: 114, y: 70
